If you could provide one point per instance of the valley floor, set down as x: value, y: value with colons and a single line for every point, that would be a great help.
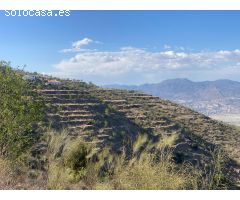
x: 233, y: 119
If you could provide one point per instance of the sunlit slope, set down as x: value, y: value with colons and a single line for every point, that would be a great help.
x: 114, y: 118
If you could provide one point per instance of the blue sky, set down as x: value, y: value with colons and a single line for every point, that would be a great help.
x: 126, y: 47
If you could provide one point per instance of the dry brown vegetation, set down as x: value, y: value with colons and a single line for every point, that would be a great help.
x: 75, y: 164
x: 117, y: 139
x: 80, y: 166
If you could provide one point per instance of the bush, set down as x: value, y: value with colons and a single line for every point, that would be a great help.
x: 67, y: 160
x: 20, y: 109
x: 75, y: 158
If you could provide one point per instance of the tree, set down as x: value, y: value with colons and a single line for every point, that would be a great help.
x: 20, y: 109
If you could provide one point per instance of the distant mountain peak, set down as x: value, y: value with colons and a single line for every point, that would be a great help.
x: 208, y: 97
x: 178, y: 79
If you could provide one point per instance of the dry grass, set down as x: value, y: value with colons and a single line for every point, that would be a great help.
x: 80, y: 167
x: 67, y: 160
x: 214, y: 179
x: 140, y: 141
x: 73, y: 164
x: 145, y: 174
x: 6, y: 179
x: 13, y: 175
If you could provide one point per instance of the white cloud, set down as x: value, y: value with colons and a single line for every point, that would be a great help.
x: 129, y: 59
x: 77, y: 45
x: 142, y: 64
x: 80, y: 43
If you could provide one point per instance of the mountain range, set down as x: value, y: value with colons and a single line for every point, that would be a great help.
x: 220, y: 97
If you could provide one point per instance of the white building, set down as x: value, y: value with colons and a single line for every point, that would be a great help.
x: 29, y: 78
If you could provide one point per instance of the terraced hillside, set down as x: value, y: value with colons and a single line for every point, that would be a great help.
x: 166, y: 118
x: 116, y: 117
x: 87, y: 117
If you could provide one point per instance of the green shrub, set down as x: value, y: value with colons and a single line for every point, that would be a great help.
x: 75, y: 157
x: 20, y: 109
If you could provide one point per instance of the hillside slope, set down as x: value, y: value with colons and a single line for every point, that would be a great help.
x: 114, y: 118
